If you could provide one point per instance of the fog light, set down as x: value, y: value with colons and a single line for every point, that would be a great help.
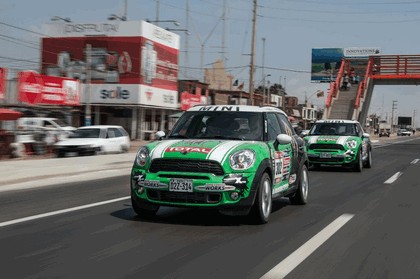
x: 140, y: 190
x: 234, y: 196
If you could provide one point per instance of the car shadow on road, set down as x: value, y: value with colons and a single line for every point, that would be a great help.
x: 193, y: 216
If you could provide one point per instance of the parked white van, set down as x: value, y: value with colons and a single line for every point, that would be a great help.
x: 42, y: 124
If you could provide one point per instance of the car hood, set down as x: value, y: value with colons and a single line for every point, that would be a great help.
x: 216, y: 150
x: 329, y: 139
x: 79, y: 142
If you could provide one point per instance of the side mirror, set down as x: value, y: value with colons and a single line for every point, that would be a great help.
x: 159, y: 135
x: 366, y: 135
x: 284, y: 139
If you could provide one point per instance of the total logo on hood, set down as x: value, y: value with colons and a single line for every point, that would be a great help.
x: 328, y: 139
x: 216, y: 150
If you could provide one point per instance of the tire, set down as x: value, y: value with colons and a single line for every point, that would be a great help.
x: 143, y: 209
x: 301, y: 195
x: 368, y: 163
x: 314, y: 166
x: 123, y: 148
x: 358, y: 165
x: 261, y: 209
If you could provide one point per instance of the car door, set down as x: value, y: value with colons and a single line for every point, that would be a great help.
x: 281, y: 155
x: 110, y: 142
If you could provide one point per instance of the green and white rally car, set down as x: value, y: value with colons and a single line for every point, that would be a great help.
x: 339, y: 142
x: 235, y: 159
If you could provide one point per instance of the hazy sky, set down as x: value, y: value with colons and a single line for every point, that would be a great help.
x: 291, y: 29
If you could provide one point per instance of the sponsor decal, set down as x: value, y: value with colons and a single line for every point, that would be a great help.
x: 215, y: 187
x: 326, y: 139
x: 158, y: 151
x: 292, y: 178
x: 278, y: 154
x: 280, y: 189
x: 186, y: 149
x: 219, y: 108
x: 152, y: 184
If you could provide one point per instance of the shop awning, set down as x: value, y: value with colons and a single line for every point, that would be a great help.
x: 9, y: 114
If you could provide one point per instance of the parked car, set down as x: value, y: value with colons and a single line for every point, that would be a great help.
x: 90, y: 140
x: 235, y: 159
x: 403, y: 132
x: 340, y: 143
x: 30, y: 125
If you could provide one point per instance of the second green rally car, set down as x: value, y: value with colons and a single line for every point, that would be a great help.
x: 235, y: 159
x: 339, y: 142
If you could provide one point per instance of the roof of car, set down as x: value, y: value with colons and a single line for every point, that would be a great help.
x: 100, y: 126
x: 227, y: 108
x: 336, y: 121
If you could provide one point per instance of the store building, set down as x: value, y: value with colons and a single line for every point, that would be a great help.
x: 128, y: 72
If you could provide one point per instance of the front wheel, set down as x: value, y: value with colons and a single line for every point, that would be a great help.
x: 368, y: 163
x: 143, y: 209
x: 261, y: 210
x: 358, y: 165
x: 301, y: 195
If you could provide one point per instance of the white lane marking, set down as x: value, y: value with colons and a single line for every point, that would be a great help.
x: 34, y: 217
x: 393, y: 178
x: 304, y: 251
x: 414, y: 161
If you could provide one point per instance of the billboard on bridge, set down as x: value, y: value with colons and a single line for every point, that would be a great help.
x: 326, y: 62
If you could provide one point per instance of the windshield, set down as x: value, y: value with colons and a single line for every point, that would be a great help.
x: 86, y: 133
x: 334, y: 129
x: 219, y: 125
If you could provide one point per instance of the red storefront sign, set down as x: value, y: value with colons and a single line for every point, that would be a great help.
x: 3, y: 75
x: 189, y: 100
x: 41, y: 89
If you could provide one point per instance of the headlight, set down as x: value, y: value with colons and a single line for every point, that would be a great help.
x: 142, y: 156
x: 242, y: 160
x: 351, y: 144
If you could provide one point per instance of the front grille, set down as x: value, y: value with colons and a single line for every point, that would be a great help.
x: 327, y: 160
x: 186, y: 165
x: 330, y: 146
x: 194, y: 198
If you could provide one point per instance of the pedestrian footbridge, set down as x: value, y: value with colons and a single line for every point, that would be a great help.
x: 353, y: 103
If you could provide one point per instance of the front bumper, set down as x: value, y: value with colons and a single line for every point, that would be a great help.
x: 337, y: 157
x: 208, y: 190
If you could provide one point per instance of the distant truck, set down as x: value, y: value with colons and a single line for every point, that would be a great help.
x: 384, y: 129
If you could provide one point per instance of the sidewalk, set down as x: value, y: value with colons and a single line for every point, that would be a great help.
x: 38, y: 171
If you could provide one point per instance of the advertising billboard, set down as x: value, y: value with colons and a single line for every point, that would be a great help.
x: 404, y: 120
x: 326, y: 63
x: 113, y: 55
x: 41, y: 89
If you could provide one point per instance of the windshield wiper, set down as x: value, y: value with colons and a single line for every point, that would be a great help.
x: 178, y: 137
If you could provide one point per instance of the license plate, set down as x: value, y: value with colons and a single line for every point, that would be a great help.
x: 325, y: 155
x: 180, y: 185
x: 71, y: 154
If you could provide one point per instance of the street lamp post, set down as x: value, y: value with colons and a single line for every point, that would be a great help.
x: 58, y: 18
x: 116, y: 17
x: 184, y: 30
x: 265, y: 97
x: 176, y: 23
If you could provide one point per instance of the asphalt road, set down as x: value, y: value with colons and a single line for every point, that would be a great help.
x: 368, y: 224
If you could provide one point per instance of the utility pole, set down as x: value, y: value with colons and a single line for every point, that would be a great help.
x: 394, y: 107
x: 186, y: 60
x: 263, y: 74
x: 251, y: 74
x: 157, y: 12
x: 88, y: 119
